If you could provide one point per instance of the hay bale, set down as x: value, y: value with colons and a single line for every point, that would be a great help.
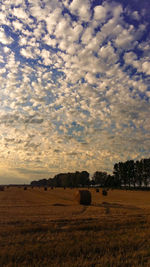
x: 83, y: 197
x: 104, y: 192
x: 2, y: 188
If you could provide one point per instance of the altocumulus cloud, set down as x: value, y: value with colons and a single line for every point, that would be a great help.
x: 74, y: 85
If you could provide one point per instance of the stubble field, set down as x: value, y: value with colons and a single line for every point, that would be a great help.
x: 49, y: 228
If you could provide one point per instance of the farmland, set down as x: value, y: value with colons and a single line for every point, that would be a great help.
x: 49, y: 228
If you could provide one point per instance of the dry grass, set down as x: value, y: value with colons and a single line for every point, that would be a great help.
x: 48, y: 228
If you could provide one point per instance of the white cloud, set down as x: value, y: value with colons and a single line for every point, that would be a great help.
x: 136, y: 15
x: 52, y: 20
x: 26, y: 52
x: 17, y: 25
x: 87, y: 35
x: 125, y: 39
x: 146, y: 67
x: 4, y: 39
x: 99, y: 12
x: 20, y: 13
x: 76, y: 32
x: 39, y: 12
x: 23, y: 41
x: 3, y: 18
x: 49, y: 41
x: 81, y: 8
x: 29, y: 52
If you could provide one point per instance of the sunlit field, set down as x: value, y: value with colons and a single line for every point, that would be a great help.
x: 49, y: 228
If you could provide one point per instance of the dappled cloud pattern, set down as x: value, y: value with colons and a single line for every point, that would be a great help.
x: 74, y: 86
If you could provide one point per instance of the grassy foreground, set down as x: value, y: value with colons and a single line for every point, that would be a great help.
x: 48, y: 228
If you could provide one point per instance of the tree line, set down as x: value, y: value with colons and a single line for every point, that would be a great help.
x: 65, y: 180
x: 128, y: 174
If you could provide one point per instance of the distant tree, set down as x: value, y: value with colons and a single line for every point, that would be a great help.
x: 57, y: 180
x: 41, y: 182
x: 139, y: 172
x: 117, y: 175
x: 100, y: 178
x: 146, y: 171
x: 110, y: 182
x: 123, y: 173
x: 84, y: 178
x: 71, y: 179
x: 33, y: 183
x: 130, y: 172
x: 50, y: 182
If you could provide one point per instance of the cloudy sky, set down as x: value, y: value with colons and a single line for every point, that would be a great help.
x: 74, y: 86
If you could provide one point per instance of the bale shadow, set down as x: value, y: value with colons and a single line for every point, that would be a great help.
x: 59, y: 205
x: 116, y: 206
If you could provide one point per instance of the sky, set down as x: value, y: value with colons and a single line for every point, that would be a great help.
x: 74, y: 86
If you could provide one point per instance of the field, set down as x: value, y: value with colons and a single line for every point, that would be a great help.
x: 49, y: 228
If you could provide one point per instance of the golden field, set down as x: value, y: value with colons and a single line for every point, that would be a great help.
x: 49, y: 228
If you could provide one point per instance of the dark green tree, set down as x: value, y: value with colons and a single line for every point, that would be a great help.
x: 117, y: 175
x: 146, y: 171
x: 100, y: 178
x: 139, y: 172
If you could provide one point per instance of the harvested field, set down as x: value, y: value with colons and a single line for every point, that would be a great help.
x: 49, y: 228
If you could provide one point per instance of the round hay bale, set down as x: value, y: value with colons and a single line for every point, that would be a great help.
x: 83, y: 197
x: 104, y: 192
x: 2, y: 188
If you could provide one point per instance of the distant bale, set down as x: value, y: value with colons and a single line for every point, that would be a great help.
x: 104, y: 192
x: 2, y: 188
x: 97, y: 190
x: 83, y: 197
